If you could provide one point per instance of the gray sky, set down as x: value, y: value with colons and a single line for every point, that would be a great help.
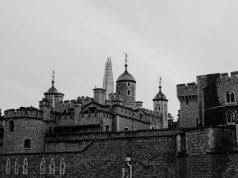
x: 177, y: 40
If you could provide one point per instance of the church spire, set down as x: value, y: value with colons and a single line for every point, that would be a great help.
x: 108, y: 78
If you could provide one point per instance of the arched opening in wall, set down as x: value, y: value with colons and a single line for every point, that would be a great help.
x: 27, y: 143
x: 11, y: 126
x: 232, y: 97
x: 228, y: 99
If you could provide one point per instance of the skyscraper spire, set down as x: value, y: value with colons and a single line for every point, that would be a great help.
x: 108, y: 78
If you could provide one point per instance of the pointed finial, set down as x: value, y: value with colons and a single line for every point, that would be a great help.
x: 160, y: 81
x: 53, y: 78
x: 126, y: 61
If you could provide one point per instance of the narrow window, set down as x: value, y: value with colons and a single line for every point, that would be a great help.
x: 128, y: 84
x: 50, y: 130
x: 62, y: 166
x: 8, y: 166
x: 27, y: 143
x: 52, y: 166
x: 186, y: 98
x: 228, y: 100
x: 11, y: 126
x: 152, y: 128
x: 232, y: 97
x: 141, y: 116
x: 129, y: 92
x: 126, y: 129
x: 16, y: 167
x: 25, y: 166
x: 42, y: 166
x: 107, y: 128
x: 119, y: 92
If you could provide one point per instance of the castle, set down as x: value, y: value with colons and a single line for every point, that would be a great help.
x: 112, y: 135
x: 25, y: 128
x: 210, y: 101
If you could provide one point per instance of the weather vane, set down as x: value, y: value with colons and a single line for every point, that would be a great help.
x: 126, y: 58
x: 160, y: 81
x: 53, y: 77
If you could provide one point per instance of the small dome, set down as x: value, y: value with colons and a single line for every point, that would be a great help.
x: 126, y: 76
x: 52, y: 90
x: 160, y: 96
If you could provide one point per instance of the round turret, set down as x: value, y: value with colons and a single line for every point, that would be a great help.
x: 24, y: 131
x: 126, y: 87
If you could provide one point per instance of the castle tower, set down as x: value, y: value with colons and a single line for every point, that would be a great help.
x: 52, y: 95
x: 24, y: 131
x: 160, y: 105
x: 108, y: 78
x: 126, y: 87
x: 189, y: 106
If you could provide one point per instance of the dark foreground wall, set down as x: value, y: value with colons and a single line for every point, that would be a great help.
x: 196, y: 153
x: 151, y: 156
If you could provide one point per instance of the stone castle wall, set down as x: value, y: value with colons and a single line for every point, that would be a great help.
x: 153, y: 153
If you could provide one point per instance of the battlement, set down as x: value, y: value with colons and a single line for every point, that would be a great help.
x: 187, y: 90
x: 67, y: 104
x: 150, y: 112
x: 225, y: 77
x: 23, y: 112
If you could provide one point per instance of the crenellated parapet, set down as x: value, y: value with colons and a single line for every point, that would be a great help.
x: 187, y: 92
x: 23, y: 113
x: 226, y: 78
x: 67, y: 105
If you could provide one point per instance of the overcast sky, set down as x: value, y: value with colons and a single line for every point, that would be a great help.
x: 176, y: 40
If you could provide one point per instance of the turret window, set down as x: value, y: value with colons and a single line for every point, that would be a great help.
x: 128, y: 84
x: 129, y: 92
x: 27, y: 143
x: 11, y: 126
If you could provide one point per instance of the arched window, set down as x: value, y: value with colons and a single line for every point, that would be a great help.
x: 228, y: 99
x: 27, y: 143
x: 232, y: 97
x: 11, y: 126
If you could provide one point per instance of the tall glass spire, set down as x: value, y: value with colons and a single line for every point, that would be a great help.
x: 108, y: 78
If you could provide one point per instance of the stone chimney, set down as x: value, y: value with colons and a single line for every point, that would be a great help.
x: 99, y: 95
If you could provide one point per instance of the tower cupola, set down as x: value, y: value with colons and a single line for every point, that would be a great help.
x: 52, y: 95
x: 126, y: 87
x: 160, y: 105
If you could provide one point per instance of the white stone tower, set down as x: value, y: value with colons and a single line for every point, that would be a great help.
x: 160, y: 105
x: 108, y: 78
